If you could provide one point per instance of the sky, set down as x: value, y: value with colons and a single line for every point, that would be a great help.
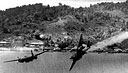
x: 5, y: 4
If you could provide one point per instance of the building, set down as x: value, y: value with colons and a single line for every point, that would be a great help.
x: 5, y: 44
x: 35, y: 43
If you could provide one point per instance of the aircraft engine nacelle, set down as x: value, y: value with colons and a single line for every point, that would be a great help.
x: 35, y: 57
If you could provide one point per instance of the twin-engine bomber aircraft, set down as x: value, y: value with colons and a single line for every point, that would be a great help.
x: 81, y: 50
x: 26, y: 59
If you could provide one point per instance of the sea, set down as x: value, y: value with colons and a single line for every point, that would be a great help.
x: 58, y: 62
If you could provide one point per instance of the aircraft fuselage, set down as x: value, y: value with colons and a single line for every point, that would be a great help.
x: 27, y: 59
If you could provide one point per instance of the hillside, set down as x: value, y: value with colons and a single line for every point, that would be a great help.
x: 97, y: 22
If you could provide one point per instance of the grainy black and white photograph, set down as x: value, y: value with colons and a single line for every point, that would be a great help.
x: 64, y: 36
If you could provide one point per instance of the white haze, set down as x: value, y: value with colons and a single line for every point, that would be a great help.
x: 5, y: 4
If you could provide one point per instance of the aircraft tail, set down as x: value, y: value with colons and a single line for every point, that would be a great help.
x: 89, y: 44
x: 32, y: 53
x: 80, y: 41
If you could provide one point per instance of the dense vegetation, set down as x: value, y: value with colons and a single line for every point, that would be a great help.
x: 96, y: 22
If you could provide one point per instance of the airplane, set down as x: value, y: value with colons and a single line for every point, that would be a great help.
x: 80, y: 51
x: 26, y: 59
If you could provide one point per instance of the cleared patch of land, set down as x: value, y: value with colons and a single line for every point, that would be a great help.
x: 114, y: 39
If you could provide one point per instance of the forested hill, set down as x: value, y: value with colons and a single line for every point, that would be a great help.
x: 97, y: 22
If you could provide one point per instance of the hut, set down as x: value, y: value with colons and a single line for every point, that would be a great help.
x: 5, y: 44
x: 35, y: 43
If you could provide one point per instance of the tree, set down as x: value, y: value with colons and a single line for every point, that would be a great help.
x: 60, y: 4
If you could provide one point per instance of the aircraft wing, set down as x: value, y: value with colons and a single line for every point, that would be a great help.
x: 73, y: 63
x: 80, y: 41
x: 11, y: 60
x: 40, y: 53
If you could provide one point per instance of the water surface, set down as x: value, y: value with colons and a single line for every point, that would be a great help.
x: 60, y: 63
